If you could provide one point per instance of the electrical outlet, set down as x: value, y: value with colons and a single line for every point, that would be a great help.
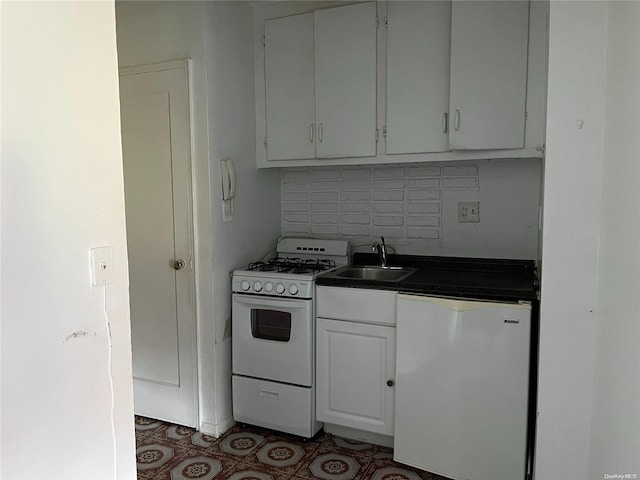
x: 468, y: 212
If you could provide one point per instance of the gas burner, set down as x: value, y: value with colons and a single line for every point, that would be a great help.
x: 269, y: 266
x: 293, y: 265
x: 314, y: 265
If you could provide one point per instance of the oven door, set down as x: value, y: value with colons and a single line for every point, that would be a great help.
x: 272, y: 338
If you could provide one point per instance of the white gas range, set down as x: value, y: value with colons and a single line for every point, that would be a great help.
x: 273, y: 335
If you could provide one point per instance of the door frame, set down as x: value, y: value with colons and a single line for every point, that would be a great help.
x: 194, y: 257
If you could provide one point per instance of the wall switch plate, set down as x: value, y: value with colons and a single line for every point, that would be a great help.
x: 101, y: 266
x: 468, y: 212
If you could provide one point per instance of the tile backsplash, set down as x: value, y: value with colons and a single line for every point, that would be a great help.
x: 414, y: 206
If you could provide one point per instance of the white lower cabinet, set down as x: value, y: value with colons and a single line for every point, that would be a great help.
x: 355, y: 363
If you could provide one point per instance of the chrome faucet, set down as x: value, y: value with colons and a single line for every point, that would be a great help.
x: 381, y: 248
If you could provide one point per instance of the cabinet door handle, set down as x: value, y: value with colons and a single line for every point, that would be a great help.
x: 445, y: 122
x: 312, y: 129
x: 390, y: 383
x: 456, y: 121
x: 320, y: 132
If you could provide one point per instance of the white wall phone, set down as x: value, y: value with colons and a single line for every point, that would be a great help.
x: 228, y: 177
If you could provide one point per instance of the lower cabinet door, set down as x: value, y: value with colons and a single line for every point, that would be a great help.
x: 355, y: 375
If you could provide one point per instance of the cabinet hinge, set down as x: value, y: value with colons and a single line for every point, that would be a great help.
x: 540, y: 148
x: 377, y: 21
x: 264, y: 41
x: 384, y: 131
x: 377, y: 135
x: 265, y: 142
x: 386, y: 22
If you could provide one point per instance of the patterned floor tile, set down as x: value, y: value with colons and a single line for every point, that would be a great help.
x: 345, y: 445
x: 171, y: 452
x: 147, y: 426
x: 330, y: 464
x: 153, y: 455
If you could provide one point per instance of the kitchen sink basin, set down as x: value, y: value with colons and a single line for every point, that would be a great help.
x: 375, y: 273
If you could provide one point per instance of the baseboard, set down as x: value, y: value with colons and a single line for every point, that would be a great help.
x: 361, y: 436
x: 216, y: 430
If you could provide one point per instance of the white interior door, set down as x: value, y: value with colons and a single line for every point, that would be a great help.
x: 156, y: 154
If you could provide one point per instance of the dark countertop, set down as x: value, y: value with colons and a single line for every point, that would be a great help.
x: 474, y: 278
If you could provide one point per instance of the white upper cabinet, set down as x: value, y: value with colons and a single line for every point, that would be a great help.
x: 489, y: 45
x: 289, y: 82
x: 418, y: 55
x: 345, y: 52
x: 320, y: 84
x: 399, y: 81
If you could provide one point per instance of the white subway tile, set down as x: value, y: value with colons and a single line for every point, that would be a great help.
x: 324, y: 196
x: 388, y: 207
x: 432, y: 183
x: 295, y: 207
x: 356, y: 195
x: 423, y: 220
x: 324, y: 207
x: 388, y: 195
x: 325, y: 185
x: 460, y: 170
x: 355, y: 230
x: 355, y: 184
x: 324, y: 218
x: 355, y: 218
x: 431, y: 171
x: 387, y: 220
x: 356, y: 207
x: 324, y: 229
x: 423, y: 208
x: 387, y: 184
x: 388, y: 172
x: 295, y: 217
x: 460, y: 183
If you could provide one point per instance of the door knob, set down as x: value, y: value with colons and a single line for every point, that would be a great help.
x: 178, y: 264
x: 390, y: 383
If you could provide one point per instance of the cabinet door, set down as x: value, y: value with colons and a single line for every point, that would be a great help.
x: 354, y: 362
x: 488, y: 74
x: 345, y: 52
x: 418, y: 56
x: 289, y: 84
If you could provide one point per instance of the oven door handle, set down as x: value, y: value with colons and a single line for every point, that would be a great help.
x: 288, y: 304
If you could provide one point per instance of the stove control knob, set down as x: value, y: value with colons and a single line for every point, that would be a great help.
x: 293, y: 289
x: 244, y: 285
x: 257, y: 286
x: 279, y: 288
x: 268, y: 287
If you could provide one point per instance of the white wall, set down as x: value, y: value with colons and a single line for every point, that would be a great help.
x: 256, y: 219
x: 571, y: 230
x: 415, y: 206
x: 615, y: 445
x: 218, y: 36
x: 67, y: 401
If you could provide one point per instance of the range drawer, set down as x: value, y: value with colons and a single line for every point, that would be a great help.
x: 285, y: 408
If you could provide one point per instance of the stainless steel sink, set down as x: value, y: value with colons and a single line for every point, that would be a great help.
x: 374, y: 273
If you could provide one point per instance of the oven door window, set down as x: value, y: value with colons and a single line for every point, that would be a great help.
x: 271, y: 325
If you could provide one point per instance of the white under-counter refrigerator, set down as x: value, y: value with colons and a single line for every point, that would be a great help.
x: 462, y: 383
